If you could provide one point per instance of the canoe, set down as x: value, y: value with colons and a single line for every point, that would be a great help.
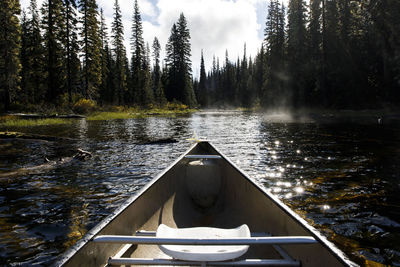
x: 203, y: 191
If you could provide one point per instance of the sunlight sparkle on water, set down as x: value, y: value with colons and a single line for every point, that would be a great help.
x: 274, y: 174
x: 288, y: 195
x: 299, y: 190
x: 285, y: 184
x: 325, y: 207
x: 276, y: 189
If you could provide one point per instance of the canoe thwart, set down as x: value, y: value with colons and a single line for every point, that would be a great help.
x: 153, y: 233
x: 203, y: 157
x: 281, y: 240
x: 246, y: 262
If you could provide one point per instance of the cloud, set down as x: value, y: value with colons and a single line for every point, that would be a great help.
x: 215, y: 25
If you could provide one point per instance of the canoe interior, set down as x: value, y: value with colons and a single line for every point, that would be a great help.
x: 212, y: 193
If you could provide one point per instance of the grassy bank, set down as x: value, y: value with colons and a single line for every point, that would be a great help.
x: 10, y: 121
x: 103, y: 113
x: 129, y: 113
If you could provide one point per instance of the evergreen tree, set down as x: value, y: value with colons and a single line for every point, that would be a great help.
x: 274, y: 92
x: 259, y: 73
x: 119, y: 72
x: 203, y: 94
x: 26, y: 89
x: 315, y: 41
x: 384, y: 27
x: 141, y: 89
x: 91, y: 45
x: 158, y: 91
x: 32, y: 60
x: 179, y: 66
x: 228, y: 83
x: 105, y: 89
x: 71, y: 48
x: 10, y: 32
x: 296, y: 51
x: 53, y: 26
x: 244, y: 96
x: 330, y: 49
x: 185, y: 63
x: 172, y: 91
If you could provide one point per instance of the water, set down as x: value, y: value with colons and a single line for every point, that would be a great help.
x: 342, y: 177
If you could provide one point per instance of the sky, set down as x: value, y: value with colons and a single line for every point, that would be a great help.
x: 215, y: 25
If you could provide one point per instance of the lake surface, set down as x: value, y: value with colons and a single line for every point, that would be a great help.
x: 341, y: 175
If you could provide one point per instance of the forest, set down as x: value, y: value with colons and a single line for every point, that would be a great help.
x: 330, y: 54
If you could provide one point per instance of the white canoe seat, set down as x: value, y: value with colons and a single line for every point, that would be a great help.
x: 205, y: 252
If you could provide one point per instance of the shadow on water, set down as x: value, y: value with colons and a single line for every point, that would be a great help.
x: 342, y: 177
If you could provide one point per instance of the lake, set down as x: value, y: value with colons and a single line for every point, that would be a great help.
x: 339, y: 173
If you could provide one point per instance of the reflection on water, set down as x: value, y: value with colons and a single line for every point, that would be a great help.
x: 342, y: 177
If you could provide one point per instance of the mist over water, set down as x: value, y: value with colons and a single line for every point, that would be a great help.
x: 339, y: 172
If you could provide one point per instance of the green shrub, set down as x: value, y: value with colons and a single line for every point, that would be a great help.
x: 84, y: 106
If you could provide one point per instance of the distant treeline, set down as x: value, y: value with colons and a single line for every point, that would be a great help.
x: 329, y: 54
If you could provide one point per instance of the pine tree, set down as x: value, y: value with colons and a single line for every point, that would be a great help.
x: 330, y: 49
x: 384, y: 27
x: 26, y: 89
x: 259, y: 73
x: 91, y: 45
x: 53, y: 26
x: 140, y: 92
x: 203, y: 93
x: 106, y: 61
x: 274, y: 92
x: 244, y: 95
x: 32, y: 58
x: 71, y: 48
x: 171, y: 89
x: 158, y: 91
x: 315, y: 52
x: 119, y: 72
x: 179, y: 65
x: 10, y: 32
x: 185, y: 64
x: 297, y: 40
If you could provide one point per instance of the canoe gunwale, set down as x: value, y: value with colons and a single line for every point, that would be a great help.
x: 103, y: 223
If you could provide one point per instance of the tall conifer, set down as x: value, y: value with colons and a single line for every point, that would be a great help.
x: 119, y: 53
x: 53, y: 25
x: 203, y: 94
x: 297, y: 40
x: 179, y: 65
x: 158, y: 90
x: 91, y: 45
x: 71, y: 48
x: 32, y: 58
x: 10, y: 37
x: 105, y: 85
x: 140, y: 92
